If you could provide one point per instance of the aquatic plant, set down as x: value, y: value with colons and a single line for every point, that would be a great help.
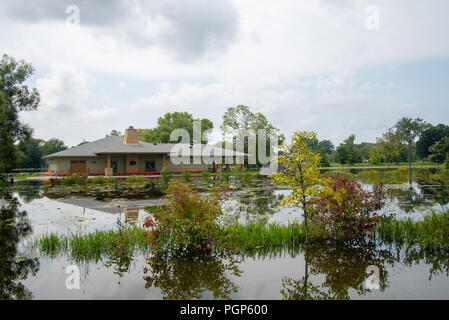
x: 345, y: 209
x: 186, y: 218
x: 431, y: 232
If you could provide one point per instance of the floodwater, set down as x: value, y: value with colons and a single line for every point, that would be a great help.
x: 29, y: 210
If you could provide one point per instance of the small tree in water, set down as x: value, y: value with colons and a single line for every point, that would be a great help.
x: 300, y: 173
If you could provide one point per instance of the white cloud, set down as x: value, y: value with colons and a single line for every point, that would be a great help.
x: 296, y: 61
x: 64, y: 106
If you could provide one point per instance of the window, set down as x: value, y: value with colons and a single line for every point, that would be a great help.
x: 132, y: 163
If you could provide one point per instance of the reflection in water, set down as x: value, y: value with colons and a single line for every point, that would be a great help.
x: 131, y: 215
x: 344, y: 268
x: 14, y: 226
x: 191, y: 274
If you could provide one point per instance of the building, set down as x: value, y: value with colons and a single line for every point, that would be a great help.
x: 115, y: 155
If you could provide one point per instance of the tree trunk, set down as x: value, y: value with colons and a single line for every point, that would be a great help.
x: 410, y: 162
x: 306, y: 225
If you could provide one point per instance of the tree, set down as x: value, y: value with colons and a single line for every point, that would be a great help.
x: 374, y: 156
x: 300, y: 173
x: 347, y: 152
x: 428, y: 138
x: 239, y: 121
x: 327, y: 146
x: 172, y: 121
x: 8, y: 121
x: 32, y: 150
x: 14, y: 97
x: 115, y: 133
x: 52, y: 145
x: 439, y: 151
x: 408, y: 130
x: 389, y: 146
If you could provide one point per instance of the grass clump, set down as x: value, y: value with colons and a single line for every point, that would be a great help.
x: 432, y: 232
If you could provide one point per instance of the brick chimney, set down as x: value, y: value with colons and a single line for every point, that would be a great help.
x: 131, y: 136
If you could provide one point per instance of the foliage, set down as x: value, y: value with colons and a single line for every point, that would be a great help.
x: 408, y: 130
x: 187, y: 219
x: 186, y: 175
x: 172, y: 121
x: 14, y: 268
x: 389, y: 146
x: 240, y: 122
x: 165, y: 177
x: 300, y: 172
x: 32, y: 151
x: 347, y: 210
x: 431, y: 232
x: 347, y: 152
x: 374, y: 156
x: 439, y: 150
x: 14, y: 97
x: 429, y: 137
x: 8, y: 121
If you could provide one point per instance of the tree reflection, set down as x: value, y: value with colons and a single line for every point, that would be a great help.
x: 189, y: 274
x: 343, y: 266
x: 14, y: 226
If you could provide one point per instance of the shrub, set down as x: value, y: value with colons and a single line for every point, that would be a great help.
x: 165, y: 177
x: 344, y: 209
x: 187, y: 219
x: 186, y: 175
x: 73, y: 180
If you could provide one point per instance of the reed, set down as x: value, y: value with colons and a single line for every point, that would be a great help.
x: 430, y: 233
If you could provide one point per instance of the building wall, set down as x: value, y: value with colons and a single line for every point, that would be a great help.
x: 98, y: 164
x: 187, y: 163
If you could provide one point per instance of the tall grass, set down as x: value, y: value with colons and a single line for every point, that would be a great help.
x: 432, y: 232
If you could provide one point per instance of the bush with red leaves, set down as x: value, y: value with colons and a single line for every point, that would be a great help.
x: 347, y: 210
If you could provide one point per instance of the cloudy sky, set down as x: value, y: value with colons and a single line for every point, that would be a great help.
x: 323, y: 65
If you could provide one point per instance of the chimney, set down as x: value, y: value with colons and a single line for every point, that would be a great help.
x: 130, y: 136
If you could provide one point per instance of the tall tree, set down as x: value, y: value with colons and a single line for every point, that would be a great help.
x: 408, y: 131
x: 301, y: 173
x: 439, y: 151
x: 428, y: 138
x: 15, y: 97
x: 8, y: 121
x: 52, y: 145
x: 240, y: 120
x: 347, y: 152
x: 172, y: 121
x: 389, y: 146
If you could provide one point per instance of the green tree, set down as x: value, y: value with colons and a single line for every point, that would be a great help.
x: 32, y: 150
x: 240, y: 120
x: 172, y: 121
x: 389, y: 146
x: 439, y: 151
x: 428, y: 138
x: 408, y: 130
x: 8, y: 121
x: 14, y: 97
x: 300, y: 174
x: 52, y: 145
x: 374, y: 156
x: 347, y: 152
x: 114, y: 133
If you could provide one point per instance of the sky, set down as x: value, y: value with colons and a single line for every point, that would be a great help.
x: 335, y: 67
